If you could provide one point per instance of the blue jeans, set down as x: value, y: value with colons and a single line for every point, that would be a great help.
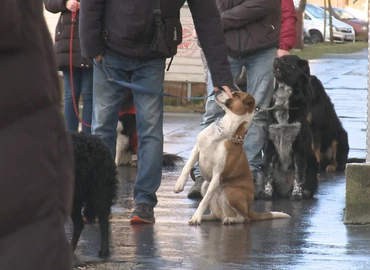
x: 260, y: 84
x: 107, y: 97
x: 83, y: 84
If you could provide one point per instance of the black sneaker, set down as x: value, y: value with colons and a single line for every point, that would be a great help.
x: 195, y: 190
x: 142, y: 214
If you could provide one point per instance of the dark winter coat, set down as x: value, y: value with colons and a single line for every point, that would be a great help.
x: 35, y: 158
x: 63, y: 36
x: 250, y: 25
x: 127, y: 27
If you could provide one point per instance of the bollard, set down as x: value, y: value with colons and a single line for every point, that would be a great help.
x: 357, y: 209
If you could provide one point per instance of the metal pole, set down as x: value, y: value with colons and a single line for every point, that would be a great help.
x: 368, y: 89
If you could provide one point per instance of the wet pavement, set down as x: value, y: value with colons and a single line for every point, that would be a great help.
x: 315, y: 237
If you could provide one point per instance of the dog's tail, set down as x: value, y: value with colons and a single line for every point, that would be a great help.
x: 266, y: 215
x: 172, y: 160
x: 356, y: 160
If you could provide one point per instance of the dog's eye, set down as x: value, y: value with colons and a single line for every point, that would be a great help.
x: 235, y: 94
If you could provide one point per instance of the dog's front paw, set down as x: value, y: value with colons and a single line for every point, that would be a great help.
x: 195, y: 221
x: 296, y: 197
x: 180, y: 184
x: 296, y: 194
x: 306, y: 194
x: 266, y: 193
x: 133, y: 161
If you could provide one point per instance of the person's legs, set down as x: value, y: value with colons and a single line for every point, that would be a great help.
x: 70, y: 116
x: 149, y: 115
x: 260, y: 85
x: 86, y: 90
x: 212, y: 109
x: 107, y: 96
x: 212, y: 112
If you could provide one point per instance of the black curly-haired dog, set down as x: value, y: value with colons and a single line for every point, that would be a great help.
x: 96, y: 187
x: 330, y: 140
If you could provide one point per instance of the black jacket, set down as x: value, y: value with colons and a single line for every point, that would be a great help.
x: 127, y: 28
x: 250, y: 25
x: 63, y: 36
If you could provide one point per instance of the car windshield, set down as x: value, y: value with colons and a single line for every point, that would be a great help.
x: 316, y: 11
x: 343, y: 14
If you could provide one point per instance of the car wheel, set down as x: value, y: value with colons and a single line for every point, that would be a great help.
x: 316, y: 36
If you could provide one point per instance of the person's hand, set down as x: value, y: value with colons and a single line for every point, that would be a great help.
x: 98, y: 57
x: 72, y: 5
x: 227, y: 90
x: 281, y: 52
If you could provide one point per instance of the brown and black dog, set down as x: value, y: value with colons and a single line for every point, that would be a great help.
x: 228, y: 189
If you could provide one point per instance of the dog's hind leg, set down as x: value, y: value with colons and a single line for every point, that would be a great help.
x: 103, y: 216
x: 332, y: 167
x: 78, y: 223
x: 235, y: 205
x: 214, y: 185
x: 181, y: 181
x: 209, y: 217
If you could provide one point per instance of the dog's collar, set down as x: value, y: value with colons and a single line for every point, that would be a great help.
x: 234, y: 139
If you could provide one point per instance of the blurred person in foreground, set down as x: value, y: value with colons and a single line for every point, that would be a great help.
x: 36, y: 158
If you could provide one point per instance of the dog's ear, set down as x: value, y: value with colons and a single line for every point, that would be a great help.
x: 304, y: 65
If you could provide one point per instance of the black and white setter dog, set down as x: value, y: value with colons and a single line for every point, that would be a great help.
x: 291, y: 168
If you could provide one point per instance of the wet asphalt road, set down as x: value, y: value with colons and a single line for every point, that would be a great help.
x: 315, y: 237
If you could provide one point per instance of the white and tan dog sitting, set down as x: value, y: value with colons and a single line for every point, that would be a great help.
x: 229, y: 189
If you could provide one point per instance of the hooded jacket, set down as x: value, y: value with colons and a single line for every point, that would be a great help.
x: 63, y: 36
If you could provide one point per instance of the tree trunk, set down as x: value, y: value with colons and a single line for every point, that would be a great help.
x: 299, y: 27
x: 330, y: 23
x: 325, y: 22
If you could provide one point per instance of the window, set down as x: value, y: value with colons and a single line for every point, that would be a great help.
x: 316, y: 11
x: 343, y: 14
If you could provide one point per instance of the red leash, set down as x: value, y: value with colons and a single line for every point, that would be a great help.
x: 71, y: 70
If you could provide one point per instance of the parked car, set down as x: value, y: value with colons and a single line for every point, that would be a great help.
x: 360, y: 26
x: 306, y: 36
x: 314, y: 22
